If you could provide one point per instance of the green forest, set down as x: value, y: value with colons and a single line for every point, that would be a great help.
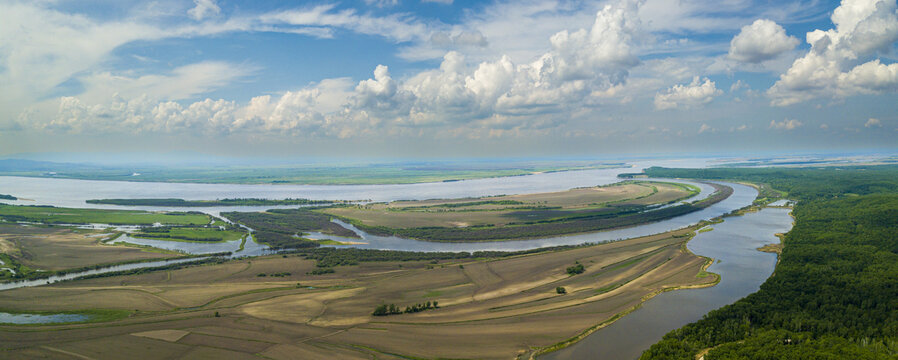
x: 834, y: 294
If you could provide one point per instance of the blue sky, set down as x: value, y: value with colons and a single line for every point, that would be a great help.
x: 412, y: 78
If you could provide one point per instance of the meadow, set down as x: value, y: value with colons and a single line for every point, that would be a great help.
x: 35, y: 251
x: 503, y: 210
x: 55, y: 215
x: 523, y: 220
x: 204, y: 234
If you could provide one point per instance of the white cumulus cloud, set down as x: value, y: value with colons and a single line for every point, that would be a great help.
x: 496, y: 94
x: 687, y: 96
x: 203, y: 9
x: 835, y: 67
x: 762, y: 40
x: 786, y: 124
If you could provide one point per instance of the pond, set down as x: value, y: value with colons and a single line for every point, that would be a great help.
x: 20, y: 319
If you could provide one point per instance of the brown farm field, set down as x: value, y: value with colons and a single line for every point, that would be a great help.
x: 502, y: 210
x: 488, y: 308
x: 58, y: 248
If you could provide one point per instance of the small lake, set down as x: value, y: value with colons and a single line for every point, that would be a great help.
x: 742, y: 268
x: 20, y: 319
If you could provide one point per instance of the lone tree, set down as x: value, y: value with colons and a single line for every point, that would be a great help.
x: 561, y: 290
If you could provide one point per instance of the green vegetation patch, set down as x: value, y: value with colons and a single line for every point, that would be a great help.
x: 56, y: 215
x: 203, y: 203
x: 577, y: 268
x: 203, y: 234
x: 280, y: 228
x: 608, y: 288
x: 330, y: 257
x: 392, y: 309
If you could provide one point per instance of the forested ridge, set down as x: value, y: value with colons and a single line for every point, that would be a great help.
x: 834, y: 294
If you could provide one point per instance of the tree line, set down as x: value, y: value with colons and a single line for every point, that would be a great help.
x: 833, y: 294
x: 392, y: 309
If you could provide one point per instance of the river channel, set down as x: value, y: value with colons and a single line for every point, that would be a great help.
x: 742, y: 268
x: 747, y: 234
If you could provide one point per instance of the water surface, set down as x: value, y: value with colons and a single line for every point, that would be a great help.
x: 74, y: 193
x: 19, y: 319
x: 742, y: 268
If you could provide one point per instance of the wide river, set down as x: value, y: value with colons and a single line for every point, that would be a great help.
x: 733, y: 244
x: 73, y: 193
x: 733, y: 241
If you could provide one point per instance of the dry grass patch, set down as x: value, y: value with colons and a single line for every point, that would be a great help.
x: 55, y: 248
x: 169, y: 335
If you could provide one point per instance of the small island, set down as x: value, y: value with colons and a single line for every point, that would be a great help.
x: 8, y: 197
x: 218, y: 202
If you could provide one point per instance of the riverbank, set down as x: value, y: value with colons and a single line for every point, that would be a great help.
x: 742, y: 268
x: 476, y: 296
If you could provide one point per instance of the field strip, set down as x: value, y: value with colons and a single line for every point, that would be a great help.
x: 170, y: 335
x: 69, y: 353
x: 142, y: 291
x: 323, y: 336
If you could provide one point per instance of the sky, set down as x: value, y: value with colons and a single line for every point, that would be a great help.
x: 444, y: 78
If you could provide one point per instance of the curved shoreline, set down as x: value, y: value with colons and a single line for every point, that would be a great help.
x: 577, y: 340
x: 589, y: 331
x: 722, y: 192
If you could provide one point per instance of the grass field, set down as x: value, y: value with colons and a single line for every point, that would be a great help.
x: 502, y: 210
x: 55, y: 215
x: 32, y: 248
x: 204, y: 234
x: 528, y: 216
x: 489, y: 308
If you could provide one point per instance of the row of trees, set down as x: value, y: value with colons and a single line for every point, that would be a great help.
x: 392, y: 309
x: 330, y: 257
